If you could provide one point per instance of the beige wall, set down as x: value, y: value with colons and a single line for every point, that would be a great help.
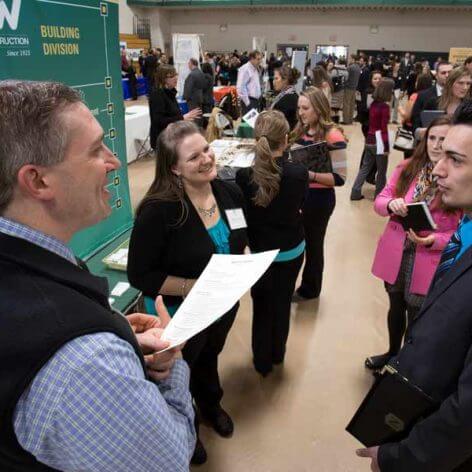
x: 422, y: 30
x: 161, y: 35
x: 160, y: 24
x: 126, y: 17
x: 436, y: 30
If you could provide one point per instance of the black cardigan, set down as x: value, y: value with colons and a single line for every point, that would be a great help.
x: 288, y: 106
x: 159, y: 247
x: 164, y: 110
x: 279, y: 225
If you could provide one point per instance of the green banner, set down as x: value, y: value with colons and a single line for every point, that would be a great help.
x: 75, y: 42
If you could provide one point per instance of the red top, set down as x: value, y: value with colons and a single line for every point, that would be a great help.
x: 379, y: 116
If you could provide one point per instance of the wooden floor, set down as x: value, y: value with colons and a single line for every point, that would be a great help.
x: 294, y: 419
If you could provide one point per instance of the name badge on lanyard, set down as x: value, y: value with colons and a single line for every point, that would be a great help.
x: 236, y: 218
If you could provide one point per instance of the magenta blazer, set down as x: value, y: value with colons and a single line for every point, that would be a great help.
x: 389, y: 251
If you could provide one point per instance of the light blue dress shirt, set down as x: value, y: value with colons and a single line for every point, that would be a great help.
x: 90, y: 407
x: 465, y: 233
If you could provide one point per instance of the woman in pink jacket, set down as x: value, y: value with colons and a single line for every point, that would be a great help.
x: 406, y: 261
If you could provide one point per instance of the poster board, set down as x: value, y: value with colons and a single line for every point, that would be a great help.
x: 75, y: 42
x: 299, y: 61
x: 259, y: 44
x: 459, y: 55
x: 185, y: 47
x: 315, y: 58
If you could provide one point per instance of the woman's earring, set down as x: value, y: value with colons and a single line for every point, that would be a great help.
x: 179, y: 182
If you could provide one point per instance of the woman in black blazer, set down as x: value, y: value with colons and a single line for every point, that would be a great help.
x: 286, y: 101
x: 180, y: 224
x: 163, y: 106
x: 274, y: 190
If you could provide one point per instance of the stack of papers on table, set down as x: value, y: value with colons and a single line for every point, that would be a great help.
x: 233, y: 152
x: 118, y: 259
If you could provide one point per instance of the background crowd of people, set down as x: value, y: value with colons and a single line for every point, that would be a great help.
x: 287, y: 206
x: 88, y: 389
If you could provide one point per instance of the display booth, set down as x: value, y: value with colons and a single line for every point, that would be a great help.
x: 76, y: 42
x: 185, y: 47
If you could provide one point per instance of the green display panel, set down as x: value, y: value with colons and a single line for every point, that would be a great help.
x: 75, y: 42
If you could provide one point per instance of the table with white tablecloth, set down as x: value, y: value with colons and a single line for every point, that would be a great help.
x: 137, y: 124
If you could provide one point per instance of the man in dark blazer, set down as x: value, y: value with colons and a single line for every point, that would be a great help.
x: 150, y: 67
x: 405, y: 65
x: 442, y: 73
x: 194, y: 85
x: 437, y: 354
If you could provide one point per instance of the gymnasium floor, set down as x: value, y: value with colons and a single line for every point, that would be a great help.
x: 294, y: 419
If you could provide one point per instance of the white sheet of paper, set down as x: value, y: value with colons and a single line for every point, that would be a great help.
x: 224, y: 281
x: 250, y: 117
x: 379, y: 142
x: 120, y: 288
x: 236, y: 218
x: 243, y: 159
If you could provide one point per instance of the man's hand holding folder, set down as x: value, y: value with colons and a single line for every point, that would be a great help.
x: 371, y: 452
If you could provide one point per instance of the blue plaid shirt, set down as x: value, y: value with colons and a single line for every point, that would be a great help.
x: 90, y: 407
x: 18, y: 230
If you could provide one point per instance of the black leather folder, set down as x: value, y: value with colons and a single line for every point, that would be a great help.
x: 389, y: 411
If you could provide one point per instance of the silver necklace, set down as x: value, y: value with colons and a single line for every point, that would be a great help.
x: 208, y: 213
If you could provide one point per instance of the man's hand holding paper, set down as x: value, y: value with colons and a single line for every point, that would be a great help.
x: 149, y: 330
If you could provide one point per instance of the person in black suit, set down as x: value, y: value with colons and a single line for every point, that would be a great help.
x: 150, y: 67
x: 442, y: 73
x: 363, y: 84
x: 437, y: 354
x: 141, y: 62
x: 286, y: 101
x: 181, y: 222
x: 163, y: 106
x: 406, y: 65
x: 274, y: 189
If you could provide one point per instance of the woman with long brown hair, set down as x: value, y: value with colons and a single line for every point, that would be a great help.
x: 274, y: 190
x: 285, y: 78
x: 379, y: 116
x: 181, y: 222
x: 315, y: 124
x: 455, y: 90
x: 322, y: 80
x: 404, y: 260
x: 163, y: 106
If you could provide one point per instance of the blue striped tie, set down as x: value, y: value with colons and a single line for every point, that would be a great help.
x: 449, y: 255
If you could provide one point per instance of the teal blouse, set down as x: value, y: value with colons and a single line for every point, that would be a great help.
x: 219, y: 233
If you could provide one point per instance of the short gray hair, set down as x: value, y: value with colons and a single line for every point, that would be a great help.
x: 31, y: 131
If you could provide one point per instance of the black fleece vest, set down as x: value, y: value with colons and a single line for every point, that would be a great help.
x: 45, y: 301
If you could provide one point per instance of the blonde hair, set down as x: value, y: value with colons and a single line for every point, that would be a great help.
x: 447, y: 96
x: 270, y: 131
x: 320, y: 104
